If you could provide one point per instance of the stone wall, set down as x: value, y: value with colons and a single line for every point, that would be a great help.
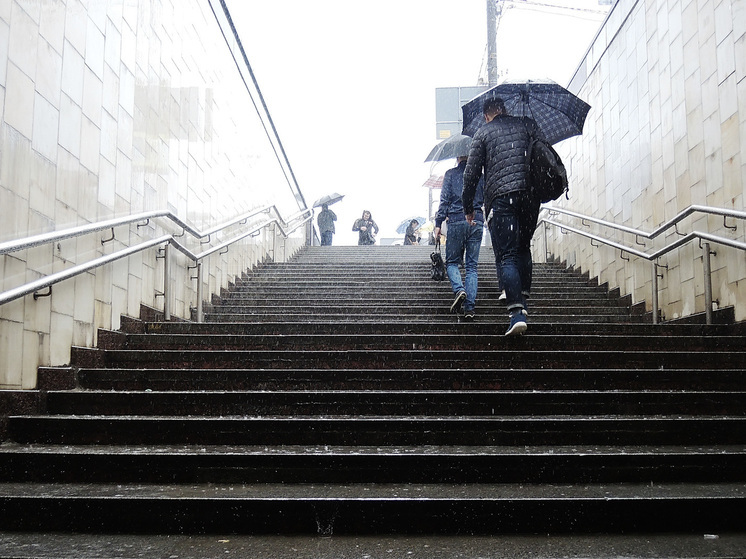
x: 108, y: 109
x: 666, y: 80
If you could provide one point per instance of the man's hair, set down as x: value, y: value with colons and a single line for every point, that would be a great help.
x: 493, y: 105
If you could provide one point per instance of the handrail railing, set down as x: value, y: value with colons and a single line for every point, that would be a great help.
x: 285, y: 228
x: 653, y: 256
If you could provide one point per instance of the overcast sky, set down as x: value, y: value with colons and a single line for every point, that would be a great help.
x: 351, y: 85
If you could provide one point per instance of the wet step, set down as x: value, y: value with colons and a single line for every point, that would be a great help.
x: 464, y: 342
x: 517, y: 356
x: 406, y: 379
x: 371, y: 431
x: 361, y: 464
x: 340, y: 509
x: 384, y: 403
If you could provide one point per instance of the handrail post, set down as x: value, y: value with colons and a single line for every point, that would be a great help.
x: 708, y: 282
x: 167, y: 282
x: 546, y: 248
x: 200, y: 313
x: 655, y: 292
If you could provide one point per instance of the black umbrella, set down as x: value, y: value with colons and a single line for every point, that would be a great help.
x: 455, y: 146
x: 558, y: 113
x: 328, y: 199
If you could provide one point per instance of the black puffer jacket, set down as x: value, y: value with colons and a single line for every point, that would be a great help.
x: 499, y: 150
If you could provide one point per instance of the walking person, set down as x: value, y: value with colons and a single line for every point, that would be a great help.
x: 367, y: 229
x: 464, y: 238
x: 326, y: 221
x: 410, y: 236
x: 498, y: 151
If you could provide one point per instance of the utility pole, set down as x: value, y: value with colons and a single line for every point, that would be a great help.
x: 493, y: 8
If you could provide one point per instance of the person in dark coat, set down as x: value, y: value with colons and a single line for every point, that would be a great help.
x: 498, y: 151
x: 464, y: 239
x: 367, y: 229
x: 410, y: 236
x: 326, y: 221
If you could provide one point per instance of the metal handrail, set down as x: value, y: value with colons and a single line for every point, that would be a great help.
x: 725, y: 212
x: 167, y: 240
x: 45, y: 238
x: 652, y: 257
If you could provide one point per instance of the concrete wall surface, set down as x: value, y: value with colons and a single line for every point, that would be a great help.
x: 108, y: 109
x: 666, y: 80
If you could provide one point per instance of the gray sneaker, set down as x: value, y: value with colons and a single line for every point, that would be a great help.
x: 458, y: 301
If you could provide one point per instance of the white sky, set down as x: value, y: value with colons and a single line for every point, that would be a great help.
x: 351, y: 85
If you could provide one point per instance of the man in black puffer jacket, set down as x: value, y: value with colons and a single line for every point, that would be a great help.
x: 499, y: 151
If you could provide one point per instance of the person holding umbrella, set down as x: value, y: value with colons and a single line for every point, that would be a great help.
x: 464, y: 239
x: 410, y: 236
x: 325, y: 220
x: 499, y: 151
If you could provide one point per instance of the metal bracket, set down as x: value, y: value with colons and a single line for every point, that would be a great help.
x: 725, y: 224
x: 160, y: 253
x: 676, y: 229
x: 159, y: 294
x: 660, y: 266
x: 582, y: 222
x: 147, y: 222
x: 255, y: 234
x: 621, y: 255
x: 594, y: 245
x: 207, y: 241
x: 183, y: 232
x: 712, y: 252
x: 223, y: 251
x: 104, y: 241
x: 37, y: 295
x: 637, y: 241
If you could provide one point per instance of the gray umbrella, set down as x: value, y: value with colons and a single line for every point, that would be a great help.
x: 328, y: 199
x: 558, y: 113
x: 455, y: 146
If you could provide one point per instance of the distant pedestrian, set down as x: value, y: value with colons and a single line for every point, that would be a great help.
x: 367, y: 229
x: 410, y: 237
x: 464, y: 238
x: 326, y: 221
x: 498, y: 151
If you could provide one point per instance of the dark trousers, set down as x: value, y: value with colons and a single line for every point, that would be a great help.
x: 512, y: 226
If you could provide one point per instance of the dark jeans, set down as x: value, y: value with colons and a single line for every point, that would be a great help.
x: 512, y: 226
x: 326, y: 238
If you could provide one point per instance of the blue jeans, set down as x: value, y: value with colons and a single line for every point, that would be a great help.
x: 326, y: 239
x: 512, y: 226
x: 462, y: 244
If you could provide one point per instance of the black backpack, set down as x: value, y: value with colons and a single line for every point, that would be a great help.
x: 547, y: 176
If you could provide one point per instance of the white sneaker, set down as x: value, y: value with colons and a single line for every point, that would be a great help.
x: 502, y: 296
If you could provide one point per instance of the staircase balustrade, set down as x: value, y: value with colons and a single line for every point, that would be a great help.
x: 284, y: 226
x: 654, y: 256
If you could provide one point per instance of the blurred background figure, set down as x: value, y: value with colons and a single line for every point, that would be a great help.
x: 326, y: 221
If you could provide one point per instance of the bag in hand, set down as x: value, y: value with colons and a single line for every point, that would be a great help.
x: 438, y: 268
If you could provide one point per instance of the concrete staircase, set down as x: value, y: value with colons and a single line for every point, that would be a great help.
x: 336, y: 395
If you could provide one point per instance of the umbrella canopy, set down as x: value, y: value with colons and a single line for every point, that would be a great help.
x: 402, y: 228
x: 328, y: 199
x: 428, y: 227
x: 558, y: 113
x: 455, y: 146
x: 434, y: 182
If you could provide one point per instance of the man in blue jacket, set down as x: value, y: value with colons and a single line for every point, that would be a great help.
x: 499, y: 151
x: 464, y: 239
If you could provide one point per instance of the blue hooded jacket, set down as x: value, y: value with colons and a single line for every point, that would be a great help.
x: 451, y: 206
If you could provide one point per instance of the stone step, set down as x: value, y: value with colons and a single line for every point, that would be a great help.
x: 515, y: 356
x: 610, y: 379
x: 375, y: 431
x: 340, y: 509
x: 365, y: 464
x: 384, y: 403
x: 464, y: 342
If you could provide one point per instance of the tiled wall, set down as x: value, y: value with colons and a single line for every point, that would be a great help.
x: 107, y: 109
x: 666, y: 80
